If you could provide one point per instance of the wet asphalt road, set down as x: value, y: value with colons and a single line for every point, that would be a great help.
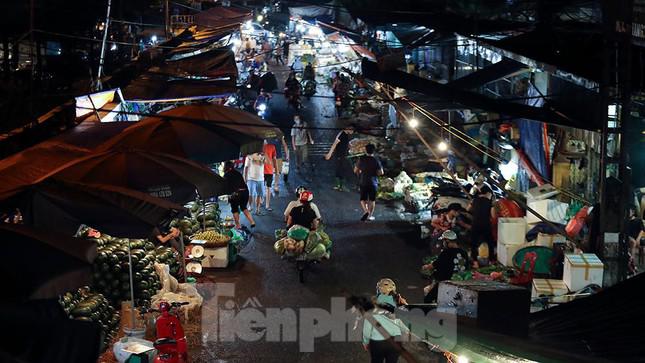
x: 363, y: 252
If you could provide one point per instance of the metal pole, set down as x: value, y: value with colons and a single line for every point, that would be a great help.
x: 132, y: 320
x: 167, y: 22
x: 99, y: 74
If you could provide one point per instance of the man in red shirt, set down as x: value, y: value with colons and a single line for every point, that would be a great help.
x: 270, y: 169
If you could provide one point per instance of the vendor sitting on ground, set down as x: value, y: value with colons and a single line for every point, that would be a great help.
x: 448, y: 220
x: 304, y: 215
x: 298, y: 203
x: 452, y: 259
x: 166, y: 239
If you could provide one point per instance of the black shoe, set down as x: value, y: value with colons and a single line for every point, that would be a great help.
x: 364, y: 217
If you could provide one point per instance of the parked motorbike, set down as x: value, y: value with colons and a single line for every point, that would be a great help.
x: 309, y: 88
x: 170, y: 339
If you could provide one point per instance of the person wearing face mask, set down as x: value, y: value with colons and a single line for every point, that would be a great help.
x: 300, y: 140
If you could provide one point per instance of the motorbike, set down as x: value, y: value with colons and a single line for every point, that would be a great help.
x: 170, y: 338
x: 309, y: 88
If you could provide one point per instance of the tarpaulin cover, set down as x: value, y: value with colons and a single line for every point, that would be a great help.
x: 219, y: 16
x: 607, y: 325
x: 151, y: 86
x: 198, y: 39
x: 160, y: 175
x: 31, y: 165
x: 205, y: 132
x: 212, y: 63
x: 90, y: 134
x: 63, y: 206
x: 312, y: 12
x: 41, y: 332
x: 42, y: 264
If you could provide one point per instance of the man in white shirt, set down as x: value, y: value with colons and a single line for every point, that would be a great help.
x: 300, y: 138
x: 254, y: 177
x: 382, y: 331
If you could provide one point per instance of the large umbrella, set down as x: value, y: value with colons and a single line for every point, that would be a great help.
x: 64, y: 206
x: 160, y: 175
x: 42, y: 264
x: 206, y: 132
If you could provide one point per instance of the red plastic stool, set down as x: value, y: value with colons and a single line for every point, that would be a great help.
x: 525, y: 277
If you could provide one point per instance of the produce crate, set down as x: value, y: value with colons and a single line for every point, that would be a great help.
x: 511, y: 231
x: 552, y: 210
x: 548, y: 287
x: 506, y: 252
x: 542, y: 192
x: 581, y: 270
x: 216, y: 257
x: 489, y: 305
x: 547, y: 240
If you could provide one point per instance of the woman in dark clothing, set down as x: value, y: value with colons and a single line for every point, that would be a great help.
x: 303, y: 215
x: 339, y: 151
x: 480, y: 208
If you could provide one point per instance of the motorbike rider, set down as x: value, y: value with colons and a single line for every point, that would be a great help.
x: 263, y: 98
x: 292, y: 87
x: 309, y: 73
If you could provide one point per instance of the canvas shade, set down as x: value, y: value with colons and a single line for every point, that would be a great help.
x: 41, y: 264
x: 64, y: 206
x: 160, y: 175
x: 31, y: 165
x: 206, y: 132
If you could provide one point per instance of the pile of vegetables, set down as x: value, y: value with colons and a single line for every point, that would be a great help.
x: 298, y: 240
x: 490, y: 272
x: 85, y: 305
x: 110, y: 275
x: 202, y: 216
x: 212, y: 237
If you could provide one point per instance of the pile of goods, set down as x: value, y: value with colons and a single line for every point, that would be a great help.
x: 202, y: 216
x: 357, y: 146
x: 298, y: 241
x: 386, y: 191
x: 111, y: 277
x: 489, y: 273
x: 212, y: 237
x: 85, y: 305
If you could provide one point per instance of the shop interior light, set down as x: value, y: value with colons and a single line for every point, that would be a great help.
x: 112, y: 47
x: 442, y: 146
x: 248, y: 25
x: 153, y: 39
x: 462, y: 359
x: 413, y: 123
x: 260, y: 18
x: 282, y: 35
x: 508, y: 170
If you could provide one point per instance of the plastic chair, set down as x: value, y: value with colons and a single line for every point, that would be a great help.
x: 525, y: 277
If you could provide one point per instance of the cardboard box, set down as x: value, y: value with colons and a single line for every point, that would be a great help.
x: 552, y: 210
x: 581, y: 270
x: 511, y: 231
x: 506, y: 252
x: 547, y: 240
x: 547, y: 287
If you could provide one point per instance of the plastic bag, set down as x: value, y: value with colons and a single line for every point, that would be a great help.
x: 299, y: 233
x: 285, y: 168
x: 317, y: 253
x: 313, y: 240
x: 279, y: 247
x: 325, y: 240
x: 280, y: 233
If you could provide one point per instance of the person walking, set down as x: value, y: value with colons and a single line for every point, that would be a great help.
x: 238, y: 194
x: 481, y: 231
x: 383, y: 331
x: 277, y: 53
x: 300, y: 140
x: 339, y: 150
x: 270, y: 169
x: 368, y: 168
x: 254, y: 176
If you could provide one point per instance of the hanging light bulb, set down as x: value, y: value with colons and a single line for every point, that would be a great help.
x: 413, y: 123
x: 260, y: 18
x: 442, y: 146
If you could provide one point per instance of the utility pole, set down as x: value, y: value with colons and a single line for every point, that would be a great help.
x: 99, y: 73
x: 167, y: 19
x: 615, y: 91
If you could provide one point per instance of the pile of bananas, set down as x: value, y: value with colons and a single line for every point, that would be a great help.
x: 212, y: 238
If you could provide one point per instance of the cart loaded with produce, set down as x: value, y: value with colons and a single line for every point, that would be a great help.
x: 302, y: 246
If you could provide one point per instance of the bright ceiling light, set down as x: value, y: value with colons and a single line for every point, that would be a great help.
x: 413, y: 123
x: 153, y: 39
x: 442, y: 146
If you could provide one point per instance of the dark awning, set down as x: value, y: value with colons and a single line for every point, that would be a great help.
x: 212, y: 64
x: 470, y: 99
x: 221, y: 17
x: 152, y: 86
x: 488, y: 74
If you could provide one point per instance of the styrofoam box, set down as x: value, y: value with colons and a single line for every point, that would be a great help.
x: 545, y: 191
x: 552, y: 210
x: 547, y: 287
x: 215, y: 257
x: 506, y: 252
x: 547, y: 240
x: 511, y: 231
x: 581, y: 270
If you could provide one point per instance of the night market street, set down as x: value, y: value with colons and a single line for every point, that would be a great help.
x: 241, y: 181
